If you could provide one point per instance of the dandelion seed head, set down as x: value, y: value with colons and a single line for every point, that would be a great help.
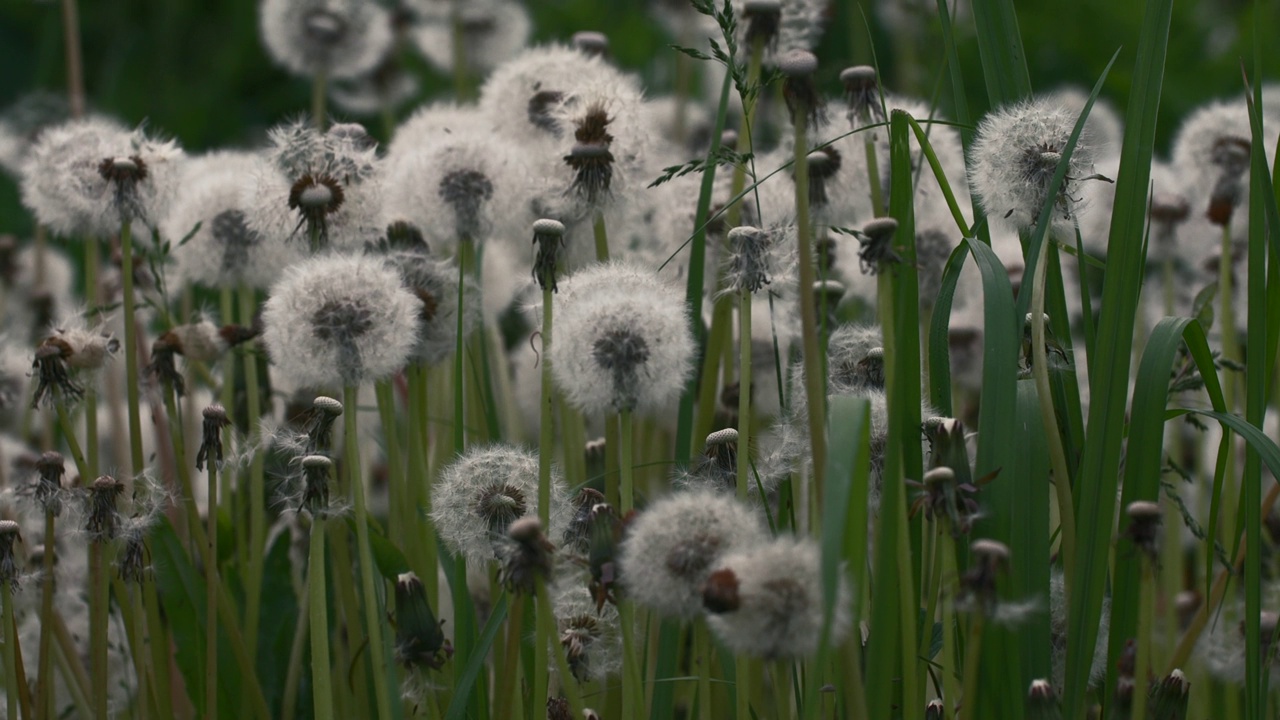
x: 434, y: 282
x: 591, y: 638
x: 623, y: 340
x: 671, y: 548
x: 1211, y: 152
x: 493, y: 32
x: 766, y: 601
x: 387, y: 85
x: 340, y: 38
x: 340, y: 320
x: 480, y: 494
x: 1014, y: 157
x: 23, y: 121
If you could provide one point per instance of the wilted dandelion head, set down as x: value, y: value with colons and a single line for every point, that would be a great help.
x: 340, y: 320
x: 68, y: 351
x: 338, y: 39
x: 48, y: 491
x: 102, y: 516
x: 672, y: 546
x: 779, y: 26
x: 479, y: 496
x: 319, y: 186
x: 749, y: 259
x: 208, y: 224
x: 10, y: 533
x: 622, y: 341
x: 87, y: 177
x: 493, y: 31
x: 434, y: 282
x: 548, y: 239
x: 1015, y: 155
x: 862, y: 95
x: 766, y: 601
x: 525, y: 556
x: 420, y: 640
x: 798, y: 68
x: 589, y: 636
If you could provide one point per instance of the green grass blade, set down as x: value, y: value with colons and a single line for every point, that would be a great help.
x: 1126, y: 263
x: 940, y: 332
x: 1004, y: 63
x: 475, y: 663
x: 1031, y: 550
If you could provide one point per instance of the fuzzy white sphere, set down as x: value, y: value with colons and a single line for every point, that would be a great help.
x: 493, y: 31
x: 341, y: 38
x: 340, y: 320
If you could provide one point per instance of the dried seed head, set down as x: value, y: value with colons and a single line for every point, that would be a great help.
x: 132, y: 564
x: 316, y: 470
x: 548, y: 236
x: 876, y: 240
x: 525, y: 557
x: 942, y: 496
x: 1144, y: 527
x: 798, y: 89
x: 102, y: 518
x: 748, y: 258
x: 319, y: 420
x: 577, y: 534
x: 420, y: 640
x: 9, y: 534
x: 979, y: 583
x: 215, y: 419
x: 862, y: 95
x: 763, y: 19
x: 823, y: 166
x: 589, y: 635
x: 591, y: 43
x: 50, y: 469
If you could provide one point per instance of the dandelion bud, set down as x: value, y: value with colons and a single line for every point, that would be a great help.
x: 590, y: 636
x: 591, y: 43
x: 316, y: 470
x: 50, y: 469
x: 577, y: 535
x: 1187, y: 603
x: 215, y: 419
x: 935, y: 710
x: 318, y: 423
x: 797, y: 68
x: 548, y: 236
x: 102, y: 519
x: 862, y: 95
x: 876, y: 241
x: 722, y: 449
x: 1144, y: 527
x: 9, y: 534
x: 763, y: 18
x: 420, y: 640
x: 1231, y: 156
x: 823, y: 166
x: 942, y: 496
x: 748, y: 258
x: 766, y: 601
x: 1169, y: 697
x: 525, y: 557
x: 1042, y: 702
x: 671, y: 549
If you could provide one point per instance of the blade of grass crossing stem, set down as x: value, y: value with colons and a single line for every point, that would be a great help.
x: 458, y: 706
x: 996, y: 416
x: 940, y: 333
x: 697, y: 265
x: 1031, y: 552
x: 844, y: 522
x: 1258, y: 367
x: 1142, y: 470
x: 961, y: 106
x: 1004, y: 63
x: 1095, y: 491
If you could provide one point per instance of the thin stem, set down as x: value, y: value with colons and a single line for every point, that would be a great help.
x: 632, y: 692
x: 419, y: 482
x: 69, y: 435
x: 567, y: 682
x: 351, y: 455
x: 1146, y: 612
x: 396, y: 486
x: 601, y: 235
x: 293, y: 676
x: 91, y: 266
x: 98, y: 628
x: 878, y: 207
x: 75, y: 66
x: 702, y: 659
x: 546, y: 449
x: 1057, y: 455
x: 466, y: 257
x: 626, y: 462
x: 972, y: 665
x: 458, y: 49
x: 10, y: 650
x: 742, y: 702
x: 131, y: 351
x: 321, y: 683
x: 950, y: 670
x: 257, y: 481
x: 45, y: 660
x: 813, y: 378
x: 159, y: 642
x: 211, y: 597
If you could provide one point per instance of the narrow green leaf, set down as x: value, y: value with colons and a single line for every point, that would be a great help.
x: 1004, y: 63
x: 940, y: 332
x: 462, y: 690
x: 1030, y: 541
x: 1095, y: 489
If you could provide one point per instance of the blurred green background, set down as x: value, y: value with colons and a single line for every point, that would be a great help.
x: 197, y: 70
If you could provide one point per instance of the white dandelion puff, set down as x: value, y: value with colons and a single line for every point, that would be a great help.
x: 493, y: 31
x: 338, y: 38
x: 590, y: 635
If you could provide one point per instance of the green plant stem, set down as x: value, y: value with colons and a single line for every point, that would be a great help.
x: 227, y: 396
x: 257, y: 482
x: 211, y: 598
x: 626, y: 462
x: 352, y: 457
x: 75, y: 66
x: 458, y: 51
x: 45, y: 661
x: 319, y: 95
x: 91, y: 265
x: 701, y: 649
x: 746, y: 139
x: 293, y: 675
x: 98, y: 603
x: 397, y: 488
x: 1146, y: 613
x: 601, y: 234
x: 131, y: 353
x: 69, y: 435
x: 10, y: 651
x: 185, y: 490
x: 632, y: 692
x: 950, y: 670
x: 507, y: 675
x: 546, y: 449
x: 781, y: 673
x: 1057, y: 455
x: 317, y: 602
x: 567, y: 681
x: 158, y: 639
x: 814, y: 381
x: 972, y: 665
x: 419, y: 482
x: 466, y: 257
x: 742, y: 703
x: 878, y: 207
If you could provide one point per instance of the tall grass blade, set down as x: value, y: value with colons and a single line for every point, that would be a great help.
x: 940, y: 333
x: 1004, y: 63
x: 475, y: 663
x: 1095, y: 491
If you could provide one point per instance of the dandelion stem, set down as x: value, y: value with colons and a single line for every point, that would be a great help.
x: 1057, y: 455
x: 91, y: 266
x: 98, y: 605
x: 396, y: 486
x: 45, y: 662
x: 131, y: 351
x: 878, y: 207
x: 742, y: 704
x: 972, y: 664
x: 68, y: 434
x: 75, y: 66
x: 419, y: 483
x: 351, y: 455
x: 10, y: 650
x: 567, y: 682
x: 813, y: 377
x: 632, y: 693
x: 211, y: 597
x: 257, y: 482
x: 702, y: 659
x: 602, y: 236
x: 546, y: 449
x: 1146, y: 613
x: 950, y: 670
x: 293, y: 676
x: 626, y: 462
x: 321, y: 682
x: 458, y: 49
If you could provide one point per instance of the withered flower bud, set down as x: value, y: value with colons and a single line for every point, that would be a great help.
x: 315, y: 484
x: 215, y: 418
x: 53, y: 381
x: 420, y: 641
x: 577, y: 535
x: 797, y: 68
x: 979, y: 584
x: 50, y: 469
x: 1144, y: 527
x: 548, y: 236
x: 102, y: 519
x: 876, y: 240
x: 862, y: 95
x: 319, y: 422
x: 9, y: 534
x: 525, y: 557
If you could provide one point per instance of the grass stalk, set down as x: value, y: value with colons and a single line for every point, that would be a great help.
x: 317, y: 602
x: 601, y: 234
x: 131, y: 341
x: 1057, y: 455
x: 567, y: 682
x: 702, y: 650
x: 814, y: 381
x: 10, y: 651
x: 351, y: 455
x: 257, y: 481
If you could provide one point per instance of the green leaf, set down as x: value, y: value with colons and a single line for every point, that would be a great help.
x: 940, y: 333
x: 1004, y: 63
x: 388, y: 558
x: 475, y: 663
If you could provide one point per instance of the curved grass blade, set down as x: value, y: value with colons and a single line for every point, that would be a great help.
x: 475, y: 663
x: 940, y: 332
x: 1004, y: 63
